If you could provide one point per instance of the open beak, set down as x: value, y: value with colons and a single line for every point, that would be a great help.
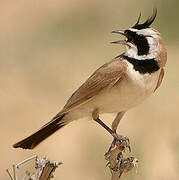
x: 118, y: 32
x: 119, y: 41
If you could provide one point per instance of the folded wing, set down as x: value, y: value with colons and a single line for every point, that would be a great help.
x: 104, y: 77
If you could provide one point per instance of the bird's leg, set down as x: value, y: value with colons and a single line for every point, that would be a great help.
x: 117, y: 120
x: 121, y: 141
x: 95, y: 115
x: 118, y: 139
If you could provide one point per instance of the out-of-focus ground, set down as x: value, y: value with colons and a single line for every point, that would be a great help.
x: 47, y: 49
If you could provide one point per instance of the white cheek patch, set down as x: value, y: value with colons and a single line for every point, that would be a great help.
x: 153, y: 46
x: 131, y: 51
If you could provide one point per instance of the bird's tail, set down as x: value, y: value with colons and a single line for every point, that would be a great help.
x: 44, y: 132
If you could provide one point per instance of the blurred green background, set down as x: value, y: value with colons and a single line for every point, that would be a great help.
x: 47, y: 49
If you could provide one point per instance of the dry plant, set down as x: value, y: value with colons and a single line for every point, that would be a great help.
x: 44, y: 169
x: 117, y: 163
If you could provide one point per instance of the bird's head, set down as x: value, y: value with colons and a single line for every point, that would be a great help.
x: 143, y: 42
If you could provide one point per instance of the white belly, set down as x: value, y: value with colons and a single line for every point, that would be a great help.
x: 131, y: 90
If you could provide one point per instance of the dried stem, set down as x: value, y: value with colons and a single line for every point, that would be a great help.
x: 117, y: 163
x: 7, y: 170
x: 44, y: 169
x: 26, y: 160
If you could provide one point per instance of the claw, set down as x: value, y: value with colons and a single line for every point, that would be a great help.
x: 122, y: 142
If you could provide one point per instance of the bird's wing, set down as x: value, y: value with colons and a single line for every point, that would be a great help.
x: 160, y: 79
x: 104, y: 77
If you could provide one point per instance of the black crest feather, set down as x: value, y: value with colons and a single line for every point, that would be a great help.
x: 148, y: 22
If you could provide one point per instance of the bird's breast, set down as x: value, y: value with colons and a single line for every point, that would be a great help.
x: 132, y: 89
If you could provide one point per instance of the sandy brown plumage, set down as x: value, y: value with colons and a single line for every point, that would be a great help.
x: 103, y: 78
x: 116, y: 86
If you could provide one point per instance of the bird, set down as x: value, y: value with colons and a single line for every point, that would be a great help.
x: 115, y: 87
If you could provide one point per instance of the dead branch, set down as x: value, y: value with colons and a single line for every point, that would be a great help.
x: 44, y: 169
x: 117, y: 163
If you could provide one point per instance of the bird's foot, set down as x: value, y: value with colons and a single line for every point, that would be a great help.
x: 121, y: 142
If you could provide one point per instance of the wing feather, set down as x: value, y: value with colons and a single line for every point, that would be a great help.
x: 104, y: 77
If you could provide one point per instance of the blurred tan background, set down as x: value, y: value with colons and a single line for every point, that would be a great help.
x: 47, y: 49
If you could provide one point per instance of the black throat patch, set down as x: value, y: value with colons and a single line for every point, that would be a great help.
x: 143, y: 66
